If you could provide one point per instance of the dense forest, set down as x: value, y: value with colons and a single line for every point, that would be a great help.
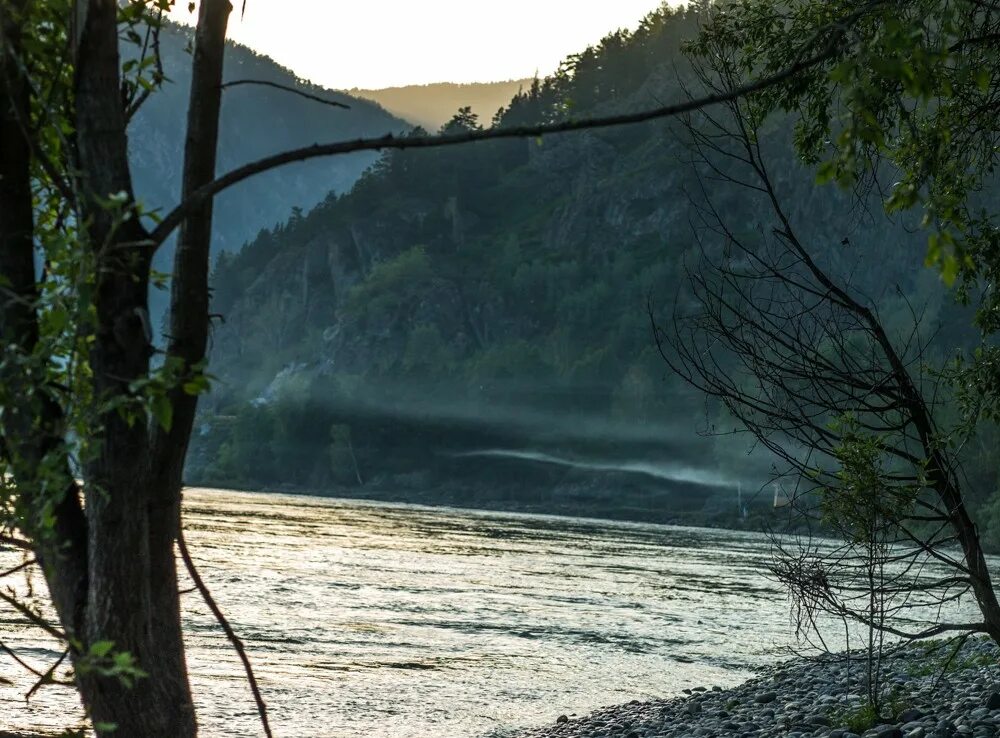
x: 473, y: 326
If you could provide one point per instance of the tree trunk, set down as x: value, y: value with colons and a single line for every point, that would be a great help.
x: 124, y: 556
x: 189, y: 323
x: 968, y: 539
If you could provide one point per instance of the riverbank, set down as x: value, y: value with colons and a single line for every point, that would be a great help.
x: 933, y: 692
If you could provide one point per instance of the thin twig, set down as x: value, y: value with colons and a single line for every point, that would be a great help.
x: 34, y: 617
x: 47, y: 677
x: 230, y: 633
x: 947, y: 664
x: 20, y: 567
x: 10, y: 652
x: 15, y: 542
x: 286, y: 88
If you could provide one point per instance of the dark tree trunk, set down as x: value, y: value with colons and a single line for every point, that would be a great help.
x: 120, y: 604
x: 189, y: 322
x: 968, y: 539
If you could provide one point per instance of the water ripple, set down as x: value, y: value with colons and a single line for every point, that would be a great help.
x: 367, y: 619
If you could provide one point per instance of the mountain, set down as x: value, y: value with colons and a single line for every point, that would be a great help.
x: 470, y: 325
x: 256, y: 121
x: 433, y: 105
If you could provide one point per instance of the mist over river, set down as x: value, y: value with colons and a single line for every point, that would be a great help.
x: 370, y: 619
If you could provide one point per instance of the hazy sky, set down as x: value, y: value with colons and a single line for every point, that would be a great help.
x: 384, y: 43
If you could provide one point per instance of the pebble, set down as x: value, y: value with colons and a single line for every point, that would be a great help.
x: 814, y: 699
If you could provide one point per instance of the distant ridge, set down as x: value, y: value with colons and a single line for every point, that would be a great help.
x: 256, y: 121
x: 433, y: 105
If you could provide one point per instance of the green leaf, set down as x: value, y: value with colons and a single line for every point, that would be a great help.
x: 100, y: 649
x: 949, y: 269
x: 826, y: 172
x: 983, y: 80
x: 197, y: 385
x: 163, y: 411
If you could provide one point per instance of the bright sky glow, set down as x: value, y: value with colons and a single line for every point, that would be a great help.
x: 385, y: 43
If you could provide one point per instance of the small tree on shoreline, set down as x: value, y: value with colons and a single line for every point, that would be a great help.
x: 849, y: 575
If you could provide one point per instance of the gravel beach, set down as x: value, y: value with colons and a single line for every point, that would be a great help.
x: 932, y: 692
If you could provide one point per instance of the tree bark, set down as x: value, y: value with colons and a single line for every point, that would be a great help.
x: 189, y: 322
x: 120, y: 604
x: 189, y: 300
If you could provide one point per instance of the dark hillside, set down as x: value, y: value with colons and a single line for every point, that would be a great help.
x: 469, y: 325
x: 256, y: 121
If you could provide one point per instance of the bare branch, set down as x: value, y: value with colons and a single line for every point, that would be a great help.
x: 178, y: 214
x: 286, y: 88
x: 20, y: 567
x: 16, y: 542
x: 230, y: 633
x: 32, y: 616
x: 49, y: 677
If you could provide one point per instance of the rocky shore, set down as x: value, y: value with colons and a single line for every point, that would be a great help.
x: 931, y: 690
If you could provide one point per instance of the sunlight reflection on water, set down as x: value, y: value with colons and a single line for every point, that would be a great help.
x: 368, y: 619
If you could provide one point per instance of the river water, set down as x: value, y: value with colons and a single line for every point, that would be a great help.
x: 369, y: 619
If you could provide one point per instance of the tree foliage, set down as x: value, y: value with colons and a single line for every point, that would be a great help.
x: 906, y: 103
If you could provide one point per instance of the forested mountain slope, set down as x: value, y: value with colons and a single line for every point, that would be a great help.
x: 256, y: 121
x: 469, y: 325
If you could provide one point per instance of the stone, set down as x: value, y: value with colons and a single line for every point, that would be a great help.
x: 887, y: 731
x: 562, y: 719
x: 764, y: 698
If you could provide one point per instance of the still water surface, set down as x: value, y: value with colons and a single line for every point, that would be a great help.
x: 368, y: 619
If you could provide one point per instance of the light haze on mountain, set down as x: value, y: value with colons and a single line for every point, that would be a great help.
x: 433, y: 105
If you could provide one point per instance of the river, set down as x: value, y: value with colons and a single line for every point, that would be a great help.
x: 371, y: 619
